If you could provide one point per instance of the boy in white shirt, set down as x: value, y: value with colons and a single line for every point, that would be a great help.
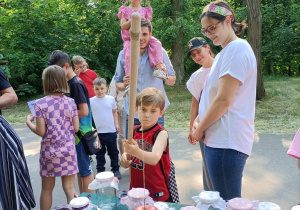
x: 104, y: 111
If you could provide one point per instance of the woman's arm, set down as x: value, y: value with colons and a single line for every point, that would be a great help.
x: 153, y: 157
x: 125, y: 24
x: 76, y: 123
x: 194, y: 113
x: 226, y: 92
x: 39, y: 128
x: 115, y: 115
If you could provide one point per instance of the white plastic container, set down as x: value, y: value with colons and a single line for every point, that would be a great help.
x: 137, y: 197
x: 82, y: 203
x: 161, y: 206
x: 189, y: 208
x: 207, y: 199
x: 296, y: 207
x: 269, y: 206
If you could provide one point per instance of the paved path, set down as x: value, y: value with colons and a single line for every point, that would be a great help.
x: 269, y: 175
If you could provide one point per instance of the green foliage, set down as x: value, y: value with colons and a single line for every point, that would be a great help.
x: 34, y: 28
x: 25, y: 90
x: 280, y: 37
x: 4, y: 67
x: 31, y: 29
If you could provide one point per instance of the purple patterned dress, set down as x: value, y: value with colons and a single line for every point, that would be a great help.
x: 58, y: 154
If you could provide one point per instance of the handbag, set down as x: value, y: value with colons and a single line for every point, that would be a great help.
x: 90, y: 141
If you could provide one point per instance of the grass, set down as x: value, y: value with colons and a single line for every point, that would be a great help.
x: 276, y: 113
x: 16, y: 114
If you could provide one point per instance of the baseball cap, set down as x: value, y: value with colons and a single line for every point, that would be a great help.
x: 195, y: 43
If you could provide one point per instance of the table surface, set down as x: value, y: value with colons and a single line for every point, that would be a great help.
x: 120, y: 206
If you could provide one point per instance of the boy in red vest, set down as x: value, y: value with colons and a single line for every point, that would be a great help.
x: 149, y: 149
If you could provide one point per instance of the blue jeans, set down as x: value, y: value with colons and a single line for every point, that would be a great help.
x: 225, y: 168
x: 109, y: 143
x: 83, y: 161
x: 160, y: 121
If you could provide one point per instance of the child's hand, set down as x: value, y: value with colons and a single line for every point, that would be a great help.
x: 117, y: 128
x: 29, y: 118
x: 191, y: 140
x: 126, y: 80
x: 124, y: 162
x: 162, y: 66
x: 77, y: 72
x: 130, y: 148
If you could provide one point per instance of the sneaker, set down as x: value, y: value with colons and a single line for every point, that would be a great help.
x: 127, y: 89
x: 117, y: 174
x: 160, y: 74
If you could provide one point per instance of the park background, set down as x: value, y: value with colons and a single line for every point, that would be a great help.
x: 31, y: 29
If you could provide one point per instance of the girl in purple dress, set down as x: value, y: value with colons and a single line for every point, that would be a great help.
x: 155, y: 46
x: 56, y: 121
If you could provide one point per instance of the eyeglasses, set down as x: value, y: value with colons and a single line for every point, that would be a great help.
x: 210, y: 29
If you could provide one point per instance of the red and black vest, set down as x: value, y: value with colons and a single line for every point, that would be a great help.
x: 155, y: 181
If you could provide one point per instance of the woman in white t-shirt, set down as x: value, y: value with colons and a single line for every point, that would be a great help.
x: 201, y: 54
x: 227, y: 105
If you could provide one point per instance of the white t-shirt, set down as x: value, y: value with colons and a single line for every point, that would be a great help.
x: 195, y: 83
x: 235, y: 129
x: 102, y: 111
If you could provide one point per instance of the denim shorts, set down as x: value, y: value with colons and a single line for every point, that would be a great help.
x: 83, y: 161
x: 225, y: 169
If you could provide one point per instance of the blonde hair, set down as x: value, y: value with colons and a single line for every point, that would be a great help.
x: 54, y: 80
x: 77, y: 59
x: 151, y: 96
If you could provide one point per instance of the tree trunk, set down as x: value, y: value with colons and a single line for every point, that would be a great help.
x: 272, y: 67
x: 177, y: 57
x: 254, y: 38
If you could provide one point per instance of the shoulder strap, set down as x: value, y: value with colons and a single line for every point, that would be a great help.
x: 79, y: 134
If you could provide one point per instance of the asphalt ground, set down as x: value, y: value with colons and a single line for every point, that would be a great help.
x: 269, y: 175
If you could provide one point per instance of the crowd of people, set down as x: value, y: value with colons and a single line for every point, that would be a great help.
x: 221, y: 119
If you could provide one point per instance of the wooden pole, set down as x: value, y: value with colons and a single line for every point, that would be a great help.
x: 135, y: 32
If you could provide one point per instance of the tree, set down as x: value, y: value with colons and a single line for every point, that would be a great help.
x: 254, y: 38
x: 177, y: 57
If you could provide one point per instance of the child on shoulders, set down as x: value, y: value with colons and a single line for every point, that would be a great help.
x: 155, y: 46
